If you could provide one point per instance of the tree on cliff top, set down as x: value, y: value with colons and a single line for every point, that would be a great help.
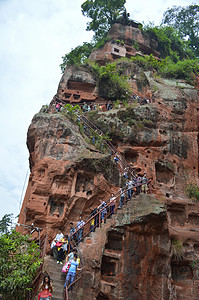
x: 103, y: 14
x: 186, y: 21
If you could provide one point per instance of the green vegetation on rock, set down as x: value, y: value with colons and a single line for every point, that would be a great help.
x: 103, y: 14
x: 192, y: 191
x: 19, y: 262
x: 177, y: 42
x: 177, y: 249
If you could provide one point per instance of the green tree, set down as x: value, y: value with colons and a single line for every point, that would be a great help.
x: 76, y: 56
x: 19, y: 261
x: 186, y: 21
x: 111, y: 82
x: 103, y: 14
x: 169, y: 42
x: 5, y: 223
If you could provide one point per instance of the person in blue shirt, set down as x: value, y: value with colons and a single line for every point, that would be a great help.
x: 70, y: 277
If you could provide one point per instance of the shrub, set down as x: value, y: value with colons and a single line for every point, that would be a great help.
x: 126, y: 115
x: 184, y: 69
x: 71, y: 111
x: 112, y: 83
x: 192, y: 190
x: 177, y: 249
x: 19, y: 262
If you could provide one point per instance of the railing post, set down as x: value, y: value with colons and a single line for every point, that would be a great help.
x: 99, y: 217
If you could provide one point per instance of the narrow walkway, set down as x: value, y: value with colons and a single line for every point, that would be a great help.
x: 57, y: 277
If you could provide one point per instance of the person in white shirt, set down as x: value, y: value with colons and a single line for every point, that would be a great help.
x: 58, y: 237
x: 129, y: 186
x: 80, y: 231
x: 112, y: 203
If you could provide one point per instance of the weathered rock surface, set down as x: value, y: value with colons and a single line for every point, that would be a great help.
x: 68, y: 176
x: 132, y: 255
x: 131, y: 38
x: 160, y: 139
x: 148, y: 250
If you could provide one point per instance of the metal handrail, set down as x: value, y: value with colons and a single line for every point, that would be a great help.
x: 35, y: 283
x: 108, y: 143
x: 78, y: 276
x: 91, y: 217
x: 108, y: 204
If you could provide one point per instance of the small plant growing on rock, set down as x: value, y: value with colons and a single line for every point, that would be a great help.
x: 125, y: 103
x: 177, y: 250
x: 116, y: 104
x: 71, y: 111
x: 194, y: 263
x: 192, y: 190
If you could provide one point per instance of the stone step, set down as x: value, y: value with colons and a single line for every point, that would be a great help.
x: 59, y: 285
x: 56, y: 275
x: 53, y: 263
x: 55, y: 269
x: 58, y: 293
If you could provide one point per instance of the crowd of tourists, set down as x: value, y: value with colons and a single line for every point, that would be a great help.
x: 66, y: 255
x: 104, y: 106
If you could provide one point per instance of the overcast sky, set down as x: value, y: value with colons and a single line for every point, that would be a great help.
x: 34, y: 35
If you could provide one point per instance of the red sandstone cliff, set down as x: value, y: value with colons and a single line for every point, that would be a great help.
x: 131, y: 257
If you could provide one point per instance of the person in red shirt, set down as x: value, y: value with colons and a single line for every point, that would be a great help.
x: 46, y: 289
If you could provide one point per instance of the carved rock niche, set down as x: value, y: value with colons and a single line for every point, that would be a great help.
x: 164, y: 172
x: 56, y: 207
x: 84, y: 185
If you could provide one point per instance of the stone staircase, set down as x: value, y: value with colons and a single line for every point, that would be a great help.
x: 94, y: 243
x: 58, y: 278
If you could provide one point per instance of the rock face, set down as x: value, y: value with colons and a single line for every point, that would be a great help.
x: 161, y: 139
x: 67, y: 178
x: 150, y: 249
x: 137, y: 256
x: 125, y: 41
x: 77, y: 85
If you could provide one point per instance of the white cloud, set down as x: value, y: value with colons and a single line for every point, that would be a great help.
x: 34, y: 37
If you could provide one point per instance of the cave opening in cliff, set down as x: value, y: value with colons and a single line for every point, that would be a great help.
x: 67, y: 95
x: 101, y: 296
x: 131, y: 155
x: 108, y: 266
x: 114, y: 241
x: 76, y: 97
x: 181, y: 271
x: 80, y: 86
x: 84, y: 183
x: 164, y: 173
